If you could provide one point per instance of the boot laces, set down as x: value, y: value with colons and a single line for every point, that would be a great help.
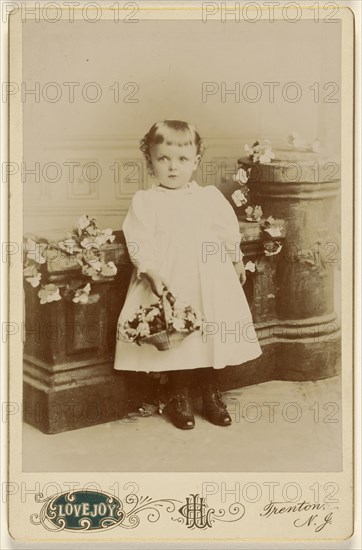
x: 219, y: 398
x: 180, y: 400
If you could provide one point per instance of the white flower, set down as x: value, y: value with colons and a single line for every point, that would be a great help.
x: 125, y: 332
x: 92, y: 270
x: 88, y: 243
x: 34, y: 281
x: 241, y: 176
x: 191, y: 317
x: 250, y: 266
x: 34, y: 251
x: 82, y: 295
x: 267, y: 156
x: 49, y: 293
x: 101, y: 239
x: 83, y: 222
x: 239, y: 197
x: 260, y: 152
x: 274, y: 231
x: 109, y: 269
x: 30, y: 271
x: 152, y: 314
x: 108, y: 234
x: 95, y: 264
x: 69, y: 245
x: 91, y: 230
x: 143, y: 329
x: 178, y: 324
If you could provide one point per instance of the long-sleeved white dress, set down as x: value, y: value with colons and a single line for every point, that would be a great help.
x: 190, y: 236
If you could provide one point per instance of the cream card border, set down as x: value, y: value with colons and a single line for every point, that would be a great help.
x: 175, y: 485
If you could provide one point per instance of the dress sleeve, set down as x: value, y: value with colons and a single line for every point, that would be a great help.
x: 226, y: 224
x: 138, y: 228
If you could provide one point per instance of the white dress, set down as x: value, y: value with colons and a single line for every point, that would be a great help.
x: 191, y: 237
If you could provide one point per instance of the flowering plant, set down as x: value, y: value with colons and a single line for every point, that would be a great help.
x: 253, y: 213
x: 239, y: 197
x: 260, y: 152
x: 80, y: 245
x: 237, y: 193
x: 272, y: 247
x: 151, y: 320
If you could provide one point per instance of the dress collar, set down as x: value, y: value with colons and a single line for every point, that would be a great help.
x: 190, y: 187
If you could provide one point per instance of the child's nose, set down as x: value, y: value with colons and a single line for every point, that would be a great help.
x: 172, y: 164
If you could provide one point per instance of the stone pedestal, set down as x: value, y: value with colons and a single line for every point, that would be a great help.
x: 303, y: 192
x: 69, y: 380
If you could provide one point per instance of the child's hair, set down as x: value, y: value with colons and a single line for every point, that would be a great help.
x: 165, y: 131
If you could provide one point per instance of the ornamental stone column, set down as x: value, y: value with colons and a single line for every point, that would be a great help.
x: 302, y: 189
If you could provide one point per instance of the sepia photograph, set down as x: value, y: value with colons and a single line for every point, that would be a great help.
x: 182, y: 236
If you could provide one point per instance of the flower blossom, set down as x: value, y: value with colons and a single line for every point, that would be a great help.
x: 250, y: 266
x: 241, y: 176
x: 34, y: 251
x: 143, y: 329
x: 275, y: 231
x: 178, y: 324
x: 239, y: 197
x: 82, y: 295
x: 49, y: 293
x: 34, y: 281
x: 83, y: 222
x: 109, y: 269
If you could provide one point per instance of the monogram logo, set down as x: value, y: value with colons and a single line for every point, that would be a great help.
x: 196, y: 512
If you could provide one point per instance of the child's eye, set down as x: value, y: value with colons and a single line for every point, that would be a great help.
x: 162, y: 158
x: 183, y: 158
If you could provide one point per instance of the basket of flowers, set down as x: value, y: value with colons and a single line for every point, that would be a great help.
x: 163, y: 324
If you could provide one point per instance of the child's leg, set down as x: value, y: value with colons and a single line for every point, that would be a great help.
x: 214, y: 408
x: 179, y: 405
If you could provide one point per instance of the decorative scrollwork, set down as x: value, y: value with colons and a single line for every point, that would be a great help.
x: 92, y: 511
x: 82, y: 511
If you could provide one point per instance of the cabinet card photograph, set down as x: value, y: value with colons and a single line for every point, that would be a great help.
x: 181, y: 254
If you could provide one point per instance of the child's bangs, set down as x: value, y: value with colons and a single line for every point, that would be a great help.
x: 171, y: 136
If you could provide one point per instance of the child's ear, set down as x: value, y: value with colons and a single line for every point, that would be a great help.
x: 197, y: 161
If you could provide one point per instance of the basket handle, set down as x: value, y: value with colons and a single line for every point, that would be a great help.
x: 166, y: 296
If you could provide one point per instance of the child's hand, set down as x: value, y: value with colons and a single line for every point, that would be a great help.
x: 240, y: 270
x: 158, y: 284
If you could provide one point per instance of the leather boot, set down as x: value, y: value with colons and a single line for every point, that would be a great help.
x: 179, y: 406
x: 214, y: 409
x: 179, y: 410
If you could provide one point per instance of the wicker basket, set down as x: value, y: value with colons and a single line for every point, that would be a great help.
x: 165, y: 339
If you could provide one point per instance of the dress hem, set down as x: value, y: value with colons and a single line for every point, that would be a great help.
x: 238, y: 363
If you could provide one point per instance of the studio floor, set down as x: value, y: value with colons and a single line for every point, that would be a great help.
x: 277, y: 426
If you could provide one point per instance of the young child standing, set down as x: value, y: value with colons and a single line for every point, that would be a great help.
x: 185, y: 238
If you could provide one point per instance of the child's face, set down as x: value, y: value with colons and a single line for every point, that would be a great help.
x: 173, y: 165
